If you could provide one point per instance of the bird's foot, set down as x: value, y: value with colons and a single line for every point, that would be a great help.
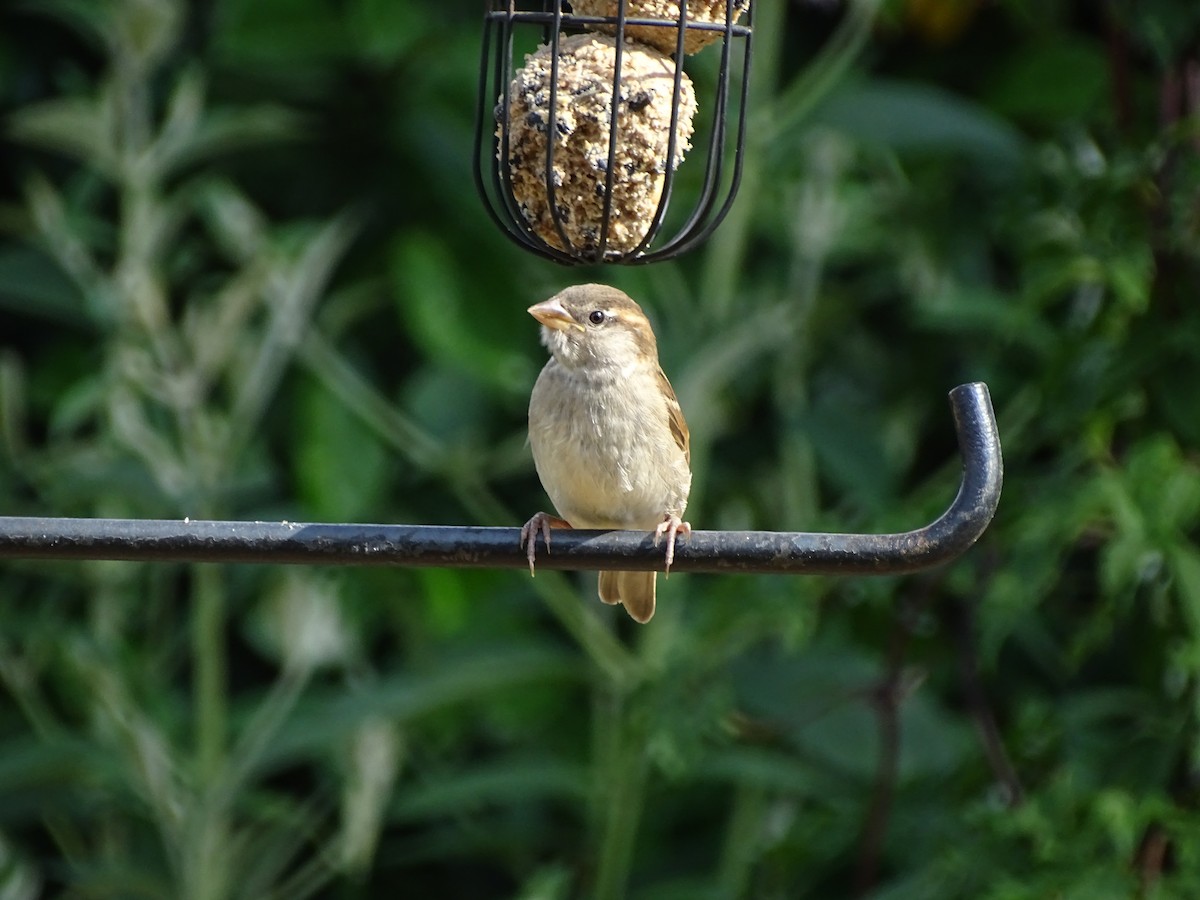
x: 671, y: 525
x: 540, y: 523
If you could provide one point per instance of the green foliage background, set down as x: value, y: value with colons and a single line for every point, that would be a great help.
x: 244, y: 274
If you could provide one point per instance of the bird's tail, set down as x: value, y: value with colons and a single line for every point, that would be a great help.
x: 634, y: 589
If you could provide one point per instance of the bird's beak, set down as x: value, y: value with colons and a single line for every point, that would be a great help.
x: 553, y: 314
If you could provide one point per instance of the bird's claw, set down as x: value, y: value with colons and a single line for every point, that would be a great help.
x: 671, y: 525
x: 539, y: 524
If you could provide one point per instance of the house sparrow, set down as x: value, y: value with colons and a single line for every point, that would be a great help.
x: 608, y: 436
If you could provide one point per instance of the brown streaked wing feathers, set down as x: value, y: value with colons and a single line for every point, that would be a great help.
x: 675, y: 420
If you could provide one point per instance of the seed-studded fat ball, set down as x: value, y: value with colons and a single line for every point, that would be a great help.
x: 584, y: 101
x: 663, y: 37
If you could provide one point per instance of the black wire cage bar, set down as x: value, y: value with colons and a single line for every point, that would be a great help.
x: 471, y: 547
x: 722, y: 148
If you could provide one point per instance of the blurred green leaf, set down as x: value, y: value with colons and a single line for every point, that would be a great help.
x: 72, y: 126
x: 1161, y: 25
x: 450, y: 603
x: 37, y: 775
x: 1185, y: 569
x: 1053, y: 82
x: 850, y: 451
x: 916, y: 118
x: 385, y: 31
x: 822, y: 700
x: 773, y: 770
x: 252, y: 33
x: 505, y: 781
x: 957, y: 310
x: 341, y: 465
x: 322, y: 719
x: 450, y: 326
x: 226, y: 131
x: 31, y: 286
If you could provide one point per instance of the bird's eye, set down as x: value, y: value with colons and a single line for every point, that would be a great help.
x: 596, y: 316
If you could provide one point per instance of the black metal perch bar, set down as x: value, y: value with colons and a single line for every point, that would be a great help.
x: 452, y: 546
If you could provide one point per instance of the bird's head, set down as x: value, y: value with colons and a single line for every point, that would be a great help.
x: 595, y: 327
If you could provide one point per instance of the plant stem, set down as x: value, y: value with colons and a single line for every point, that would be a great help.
x: 829, y: 67
x: 773, y: 111
x: 206, y: 838
x: 622, y: 767
x: 742, y: 836
x: 727, y: 248
x: 208, y: 654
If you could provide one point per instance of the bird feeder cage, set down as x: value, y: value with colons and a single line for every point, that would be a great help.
x: 579, y: 150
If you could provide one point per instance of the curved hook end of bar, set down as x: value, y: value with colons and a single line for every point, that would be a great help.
x: 982, y: 476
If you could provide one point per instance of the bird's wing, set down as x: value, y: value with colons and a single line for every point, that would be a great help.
x: 678, y: 426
